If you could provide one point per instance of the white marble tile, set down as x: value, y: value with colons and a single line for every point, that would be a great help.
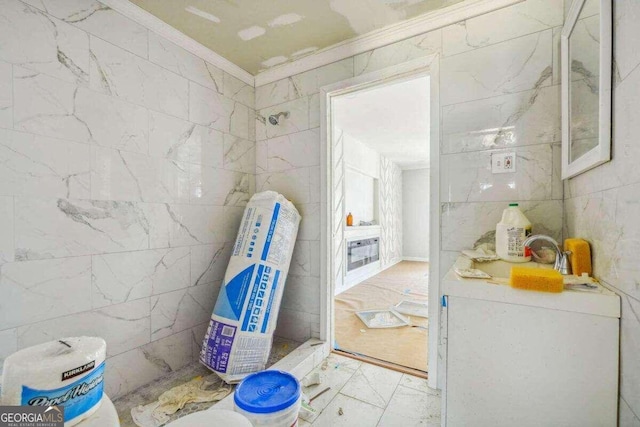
x: 119, y: 175
x: 293, y: 325
x: 239, y: 91
x: 608, y: 220
x: 314, y: 258
x: 629, y: 346
x: 174, y: 58
x: 50, y: 107
x: 557, y: 187
x: 184, y: 225
x: 177, y: 139
x: 314, y: 111
x: 274, y: 93
x: 212, y: 186
x: 252, y: 125
x: 419, y: 384
x: 180, y: 310
x: 32, y: 165
x: 210, y: 108
x: 293, y: 151
x: 232, y: 219
x: 523, y: 118
x: 6, y: 95
x: 467, y: 177
x: 128, y: 276
x: 41, y: 290
x: 409, y: 407
x: 346, y: 411
x: 508, y: 67
x: 297, y: 121
x: 622, y: 170
x: 239, y: 121
x: 626, y: 37
x: 309, y: 82
x: 123, y: 326
x: 262, y: 164
x: 293, y: 184
x: 301, y: 259
x: 48, y: 228
x: 396, y: 53
x: 6, y: 230
x: 334, y: 372
x: 302, y: 293
x: 315, y: 189
x: 42, y: 43
x: 626, y: 417
x: 310, y: 223
x: 99, y: 20
x: 557, y: 60
x: 372, y: 384
x: 239, y: 154
x: 119, y: 73
x: 8, y: 344
x: 209, y: 262
x: 524, y: 18
x: 149, y: 362
x: 464, y: 223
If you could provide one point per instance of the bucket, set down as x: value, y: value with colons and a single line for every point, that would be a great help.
x: 269, y: 398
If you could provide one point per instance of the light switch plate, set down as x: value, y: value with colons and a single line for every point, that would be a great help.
x: 503, y: 162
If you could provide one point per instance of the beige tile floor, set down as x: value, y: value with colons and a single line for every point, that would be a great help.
x: 366, y: 395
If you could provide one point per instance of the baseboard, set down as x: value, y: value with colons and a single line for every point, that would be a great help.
x: 414, y: 258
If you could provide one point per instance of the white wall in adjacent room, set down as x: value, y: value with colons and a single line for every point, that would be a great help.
x: 415, y: 214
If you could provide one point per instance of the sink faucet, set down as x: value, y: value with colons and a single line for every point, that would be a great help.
x: 562, y: 263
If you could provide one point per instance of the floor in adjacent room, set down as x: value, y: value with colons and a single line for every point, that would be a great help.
x: 366, y: 395
x: 405, y: 346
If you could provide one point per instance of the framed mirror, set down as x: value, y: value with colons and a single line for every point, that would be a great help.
x: 586, y: 47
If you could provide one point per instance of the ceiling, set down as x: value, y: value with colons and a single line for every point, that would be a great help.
x: 259, y: 34
x: 391, y: 119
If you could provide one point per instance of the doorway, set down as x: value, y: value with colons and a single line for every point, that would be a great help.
x: 372, y: 147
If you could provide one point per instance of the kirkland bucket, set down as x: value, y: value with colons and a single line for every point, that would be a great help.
x: 269, y: 398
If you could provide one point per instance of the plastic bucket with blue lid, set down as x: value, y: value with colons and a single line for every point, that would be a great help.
x: 269, y: 398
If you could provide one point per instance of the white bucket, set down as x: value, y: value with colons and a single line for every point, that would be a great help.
x: 269, y: 399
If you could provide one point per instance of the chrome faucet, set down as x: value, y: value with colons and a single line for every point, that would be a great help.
x: 562, y: 263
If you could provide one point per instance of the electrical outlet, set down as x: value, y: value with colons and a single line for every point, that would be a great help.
x: 503, y: 162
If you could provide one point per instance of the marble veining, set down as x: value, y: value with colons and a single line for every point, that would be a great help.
x: 33, y: 165
x: 117, y: 72
x: 99, y: 20
x: 6, y: 95
x: 40, y: 42
x: 47, y: 106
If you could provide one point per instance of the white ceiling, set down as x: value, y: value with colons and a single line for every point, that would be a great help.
x: 391, y: 119
x: 259, y: 34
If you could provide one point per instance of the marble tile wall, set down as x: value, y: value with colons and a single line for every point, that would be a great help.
x: 125, y: 164
x: 499, y: 89
x: 603, y: 205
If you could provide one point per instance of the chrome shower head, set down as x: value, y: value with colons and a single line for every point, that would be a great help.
x: 274, y: 119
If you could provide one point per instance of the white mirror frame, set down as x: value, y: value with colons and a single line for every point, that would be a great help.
x: 602, y: 152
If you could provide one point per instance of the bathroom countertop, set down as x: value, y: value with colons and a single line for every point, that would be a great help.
x: 150, y: 392
x: 601, y: 301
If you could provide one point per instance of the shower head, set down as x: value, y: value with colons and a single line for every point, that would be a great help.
x: 274, y: 119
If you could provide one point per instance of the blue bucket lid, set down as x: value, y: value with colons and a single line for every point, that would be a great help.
x: 266, y: 392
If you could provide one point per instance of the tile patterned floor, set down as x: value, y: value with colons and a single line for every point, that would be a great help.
x: 365, y: 395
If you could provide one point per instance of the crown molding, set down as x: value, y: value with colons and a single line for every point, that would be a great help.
x: 146, y: 19
x: 384, y: 36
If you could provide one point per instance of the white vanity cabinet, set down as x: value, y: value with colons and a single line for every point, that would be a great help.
x: 524, y: 358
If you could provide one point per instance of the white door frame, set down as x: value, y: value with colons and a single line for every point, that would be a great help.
x: 423, y: 66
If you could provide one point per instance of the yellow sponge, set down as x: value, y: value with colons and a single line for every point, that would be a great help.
x: 580, y: 257
x: 536, y: 279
